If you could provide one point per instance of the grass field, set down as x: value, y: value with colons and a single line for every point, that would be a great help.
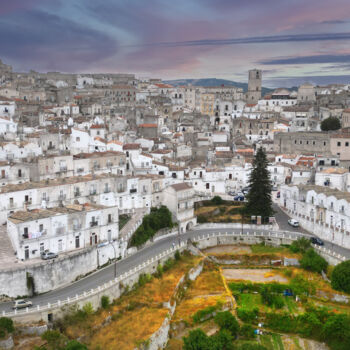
x: 267, y: 249
x: 250, y: 301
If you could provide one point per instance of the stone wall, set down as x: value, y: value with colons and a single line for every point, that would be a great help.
x: 53, y: 274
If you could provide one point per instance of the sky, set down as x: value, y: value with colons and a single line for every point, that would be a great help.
x: 291, y: 41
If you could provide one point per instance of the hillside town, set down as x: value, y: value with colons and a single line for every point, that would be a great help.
x: 78, y: 151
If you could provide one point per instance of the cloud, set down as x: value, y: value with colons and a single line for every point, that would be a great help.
x: 256, y: 40
x: 314, y: 79
x: 57, y: 43
x: 312, y: 59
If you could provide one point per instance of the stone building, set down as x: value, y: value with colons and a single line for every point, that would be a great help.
x: 254, y: 86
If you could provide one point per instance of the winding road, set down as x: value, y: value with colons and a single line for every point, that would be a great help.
x: 106, y: 274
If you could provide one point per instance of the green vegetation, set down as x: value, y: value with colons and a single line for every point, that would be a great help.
x: 262, y: 248
x: 313, y: 262
x: 259, y: 197
x: 248, y: 315
x: 331, y: 123
x: 300, y: 246
x: 225, y: 320
x: 341, y: 277
x: 123, y: 220
x: 206, y: 313
x: 151, y: 223
x: 247, y: 332
x: 6, y: 327
x: 105, y: 302
x: 57, y: 341
x: 222, y: 340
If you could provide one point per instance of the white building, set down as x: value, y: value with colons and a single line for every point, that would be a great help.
x: 61, y: 229
x: 179, y: 198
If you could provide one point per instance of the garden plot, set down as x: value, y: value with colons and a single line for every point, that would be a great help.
x: 228, y: 249
x: 254, y: 275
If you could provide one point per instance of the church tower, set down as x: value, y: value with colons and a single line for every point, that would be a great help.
x: 254, y: 86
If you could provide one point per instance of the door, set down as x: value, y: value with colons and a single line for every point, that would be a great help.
x: 26, y: 252
x: 3, y: 174
x: 77, y: 242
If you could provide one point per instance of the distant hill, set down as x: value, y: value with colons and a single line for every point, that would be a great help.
x: 214, y: 82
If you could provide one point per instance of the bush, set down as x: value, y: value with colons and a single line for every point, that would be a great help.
x: 196, y: 340
x: 331, y: 123
x: 336, y: 332
x: 341, y: 277
x: 249, y: 346
x: 247, y: 331
x: 88, y: 309
x: 168, y: 264
x: 54, y: 339
x: 177, y: 256
x: 203, y: 314
x: 248, y: 315
x: 223, y: 340
x: 151, y: 223
x: 300, y: 246
x: 143, y: 279
x: 6, y: 325
x: 280, y: 322
x: 159, y: 272
x: 75, y: 345
x: 225, y: 320
x: 313, y: 262
x: 300, y: 286
x: 201, y: 219
x: 217, y: 200
x: 104, y: 302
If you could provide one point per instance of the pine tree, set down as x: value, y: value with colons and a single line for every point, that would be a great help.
x: 259, y: 200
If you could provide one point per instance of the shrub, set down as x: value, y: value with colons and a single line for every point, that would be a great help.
x: 247, y: 331
x: 6, y: 324
x: 196, y: 340
x: 177, y: 256
x: 301, y: 286
x: 249, y: 346
x: 341, y: 277
x: 280, y: 322
x: 331, y: 123
x: 55, y: 340
x: 168, y: 264
x: 203, y: 314
x: 248, y: 315
x: 75, y: 345
x: 217, y: 200
x: 159, y: 272
x: 300, y: 246
x: 313, y: 262
x: 151, y: 223
x: 225, y: 320
x: 143, y: 279
x: 88, y: 309
x: 104, y: 302
x: 336, y: 332
x: 222, y: 340
x: 201, y: 219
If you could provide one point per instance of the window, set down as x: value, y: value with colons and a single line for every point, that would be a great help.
x: 338, y: 144
x: 60, y: 246
x: 346, y: 144
x: 77, y: 242
x: 109, y: 218
x: 77, y: 139
x: 41, y: 227
x: 42, y: 248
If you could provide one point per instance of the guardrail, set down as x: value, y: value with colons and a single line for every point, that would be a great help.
x: 266, y: 234
x: 96, y: 290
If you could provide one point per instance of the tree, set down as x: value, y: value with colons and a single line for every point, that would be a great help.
x: 331, y: 123
x: 217, y: 200
x: 223, y: 340
x: 341, y: 277
x: 196, y: 340
x: 55, y: 340
x: 336, y: 332
x: 313, y: 262
x: 259, y: 196
x: 75, y: 345
x: 300, y: 246
x: 225, y: 320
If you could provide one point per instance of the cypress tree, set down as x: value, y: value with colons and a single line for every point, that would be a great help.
x: 259, y: 200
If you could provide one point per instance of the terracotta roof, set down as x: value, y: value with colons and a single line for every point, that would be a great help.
x: 148, y: 125
x: 181, y: 186
x: 131, y: 146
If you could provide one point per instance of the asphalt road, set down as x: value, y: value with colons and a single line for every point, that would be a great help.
x: 106, y: 274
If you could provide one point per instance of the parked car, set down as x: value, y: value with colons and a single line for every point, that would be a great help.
x: 316, y: 240
x: 245, y: 190
x: 239, y: 198
x: 231, y: 193
x: 21, y: 304
x: 278, y: 194
x: 293, y: 222
x: 48, y: 255
x: 274, y: 188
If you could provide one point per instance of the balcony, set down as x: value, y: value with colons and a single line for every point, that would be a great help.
x: 93, y: 223
x: 77, y: 194
x: 34, y: 235
x: 62, y: 197
x: 63, y: 168
x: 121, y: 189
x: 60, y: 231
x: 93, y: 192
x: 107, y: 190
x: 46, y: 199
x: 80, y: 170
x: 133, y: 190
